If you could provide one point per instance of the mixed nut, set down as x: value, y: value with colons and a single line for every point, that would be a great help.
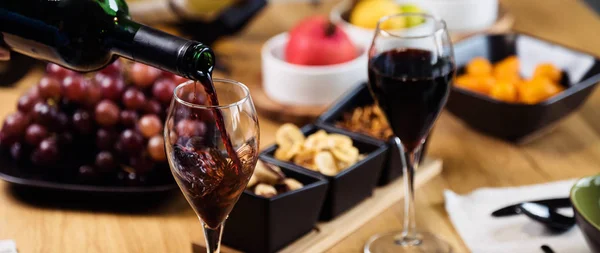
x: 368, y: 120
x: 320, y: 151
x: 268, y: 181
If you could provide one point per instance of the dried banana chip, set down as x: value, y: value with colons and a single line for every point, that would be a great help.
x: 348, y: 155
x: 304, y: 156
x: 342, y: 165
x: 313, y: 141
x: 287, y: 152
x: 326, y: 163
x: 339, y: 140
x: 289, y: 134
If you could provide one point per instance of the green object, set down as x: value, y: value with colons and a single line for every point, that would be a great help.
x: 86, y: 35
x: 411, y: 8
x: 585, y: 196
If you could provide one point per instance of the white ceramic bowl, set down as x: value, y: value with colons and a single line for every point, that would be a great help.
x: 464, y: 15
x: 294, y: 84
x: 364, y: 36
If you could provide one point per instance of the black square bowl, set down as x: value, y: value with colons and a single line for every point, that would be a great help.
x: 358, y: 97
x: 352, y: 185
x: 515, y: 122
x: 260, y: 224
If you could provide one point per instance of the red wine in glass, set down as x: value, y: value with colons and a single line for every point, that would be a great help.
x: 212, y: 149
x: 411, y: 86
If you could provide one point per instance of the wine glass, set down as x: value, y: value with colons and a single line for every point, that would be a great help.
x: 212, y: 150
x: 410, y: 71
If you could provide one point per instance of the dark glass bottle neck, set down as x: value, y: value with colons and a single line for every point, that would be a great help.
x: 144, y: 44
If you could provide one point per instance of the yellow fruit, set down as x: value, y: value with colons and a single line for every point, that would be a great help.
x: 479, y: 66
x: 366, y: 14
x: 504, y: 91
x: 548, y: 70
x: 481, y: 84
x: 538, y: 89
x: 507, y: 69
x: 411, y: 8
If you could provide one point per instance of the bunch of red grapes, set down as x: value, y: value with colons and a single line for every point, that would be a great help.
x: 101, y: 128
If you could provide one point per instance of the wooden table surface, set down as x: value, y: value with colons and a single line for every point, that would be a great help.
x: 471, y: 160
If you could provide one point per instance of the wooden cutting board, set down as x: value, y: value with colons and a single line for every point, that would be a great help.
x: 327, y: 234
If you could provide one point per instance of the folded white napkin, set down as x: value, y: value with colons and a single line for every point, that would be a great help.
x: 532, y: 51
x: 482, y: 233
x: 8, y: 246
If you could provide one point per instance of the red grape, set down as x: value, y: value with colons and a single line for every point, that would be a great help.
x: 107, y: 113
x: 15, y: 124
x: 149, y: 125
x: 94, y: 95
x: 16, y: 151
x: 134, y: 99
x: 49, y: 87
x: 190, y: 128
x: 105, y: 162
x: 130, y: 179
x: 60, y: 122
x: 113, y: 68
x: 156, y: 148
x: 43, y: 112
x: 129, y: 118
x: 99, y: 77
x: 35, y: 134
x: 34, y: 91
x: 64, y: 139
x: 163, y: 90
x: 112, y: 87
x: 58, y: 71
x: 173, y: 138
x: 26, y: 103
x: 131, y: 142
x: 179, y: 79
x: 74, y: 87
x: 196, y: 142
x: 195, y: 98
x: 6, y: 141
x: 83, y: 122
x: 141, y: 164
x: 143, y: 75
x: 87, y: 174
x: 105, y: 139
x: 153, y: 107
x: 46, y: 152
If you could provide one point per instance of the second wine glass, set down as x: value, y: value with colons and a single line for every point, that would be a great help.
x: 410, y: 72
x: 212, y: 150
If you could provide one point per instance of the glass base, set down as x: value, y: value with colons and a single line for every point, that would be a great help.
x: 393, y: 242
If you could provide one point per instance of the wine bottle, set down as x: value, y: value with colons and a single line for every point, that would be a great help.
x: 86, y: 35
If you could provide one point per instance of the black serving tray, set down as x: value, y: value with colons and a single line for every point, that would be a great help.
x: 360, y: 96
x: 349, y: 187
x: 515, y: 122
x: 27, y: 176
x: 259, y: 224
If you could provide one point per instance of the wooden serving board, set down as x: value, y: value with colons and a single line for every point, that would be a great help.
x: 327, y: 234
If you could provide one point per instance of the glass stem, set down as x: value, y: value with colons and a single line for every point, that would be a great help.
x: 410, y: 162
x: 213, y: 238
